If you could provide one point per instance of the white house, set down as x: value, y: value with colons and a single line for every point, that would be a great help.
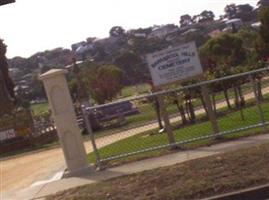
x: 233, y: 23
x: 162, y: 31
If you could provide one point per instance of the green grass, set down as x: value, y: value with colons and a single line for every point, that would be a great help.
x: 147, y: 140
x: 135, y: 90
x: 148, y: 113
x: 40, y: 108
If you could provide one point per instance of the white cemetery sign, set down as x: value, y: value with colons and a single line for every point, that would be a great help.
x: 174, y: 64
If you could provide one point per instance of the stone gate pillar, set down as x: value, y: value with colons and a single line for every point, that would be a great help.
x: 65, y: 119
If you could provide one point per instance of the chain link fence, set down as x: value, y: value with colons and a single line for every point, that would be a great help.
x: 186, y: 117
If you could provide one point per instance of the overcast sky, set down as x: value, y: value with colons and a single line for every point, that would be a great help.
x: 29, y: 26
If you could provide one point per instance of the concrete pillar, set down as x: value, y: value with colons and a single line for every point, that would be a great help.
x: 65, y: 119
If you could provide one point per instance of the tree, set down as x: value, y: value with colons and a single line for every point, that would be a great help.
x: 185, y: 20
x: 223, y: 56
x: 263, y: 3
x: 116, y: 31
x: 206, y: 16
x: 225, y: 49
x: 142, y: 46
x: 7, y: 94
x: 178, y: 100
x: 104, y: 82
x: 262, y: 43
x: 230, y: 11
x: 198, y: 37
x: 133, y: 67
x: 245, y: 12
x: 248, y: 36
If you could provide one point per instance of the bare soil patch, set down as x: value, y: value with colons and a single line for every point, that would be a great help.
x: 191, y: 180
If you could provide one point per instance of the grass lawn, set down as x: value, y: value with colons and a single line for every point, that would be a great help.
x: 151, y: 139
x: 148, y: 113
x: 196, y: 179
x: 40, y: 108
x: 135, y: 90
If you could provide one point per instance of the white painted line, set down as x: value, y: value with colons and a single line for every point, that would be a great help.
x: 56, y: 177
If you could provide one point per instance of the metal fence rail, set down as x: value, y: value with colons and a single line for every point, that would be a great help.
x: 199, y: 114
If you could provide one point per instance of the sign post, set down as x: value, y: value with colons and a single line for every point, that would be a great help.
x: 211, y: 113
x: 173, y: 65
x: 164, y: 114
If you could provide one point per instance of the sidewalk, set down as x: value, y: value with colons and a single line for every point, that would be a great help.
x: 38, y: 192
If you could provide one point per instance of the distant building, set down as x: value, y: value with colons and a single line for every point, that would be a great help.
x: 84, y: 48
x: 162, y: 31
x: 256, y: 25
x: 172, y: 35
x: 233, y: 24
x: 77, y: 45
x: 14, y: 71
x: 191, y: 30
x: 140, y: 35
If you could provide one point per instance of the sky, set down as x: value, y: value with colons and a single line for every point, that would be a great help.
x: 30, y: 26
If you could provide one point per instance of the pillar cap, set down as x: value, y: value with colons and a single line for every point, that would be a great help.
x: 52, y: 73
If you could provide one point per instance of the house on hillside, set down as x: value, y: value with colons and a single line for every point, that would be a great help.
x: 233, y: 25
x: 256, y: 25
x: 77, y: 45
x: 162, y: 31
x: 84, y: 48
x: 172, y: 35
x: 14, y: 72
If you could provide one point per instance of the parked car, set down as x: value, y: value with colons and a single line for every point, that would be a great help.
x: 117, y: 111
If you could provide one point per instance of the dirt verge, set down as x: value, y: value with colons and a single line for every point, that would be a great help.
x: 195, y: 179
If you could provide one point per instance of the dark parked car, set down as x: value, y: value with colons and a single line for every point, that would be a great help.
x: 109, y: 113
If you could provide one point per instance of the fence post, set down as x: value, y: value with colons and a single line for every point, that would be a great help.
x: 258, y: 101
x: 85, y: 115
x: 167, y: 125
x: 211, y: 113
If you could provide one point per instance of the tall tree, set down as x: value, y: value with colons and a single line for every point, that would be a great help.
x: 226, y: 52
x: 133, y: 67
x: 104, y: 82
x: 116, y: 31
x: 206, y: 16
x: 225, y: 49
x: 230, y: 11
x: 7, y: 94
x: 248, y: 36
x: 263, y: 3
x: 262, y: 43
x: 185, y: 20
x: 245, y: 12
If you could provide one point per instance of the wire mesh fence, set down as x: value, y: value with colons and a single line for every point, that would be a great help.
x: 198, y: 114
